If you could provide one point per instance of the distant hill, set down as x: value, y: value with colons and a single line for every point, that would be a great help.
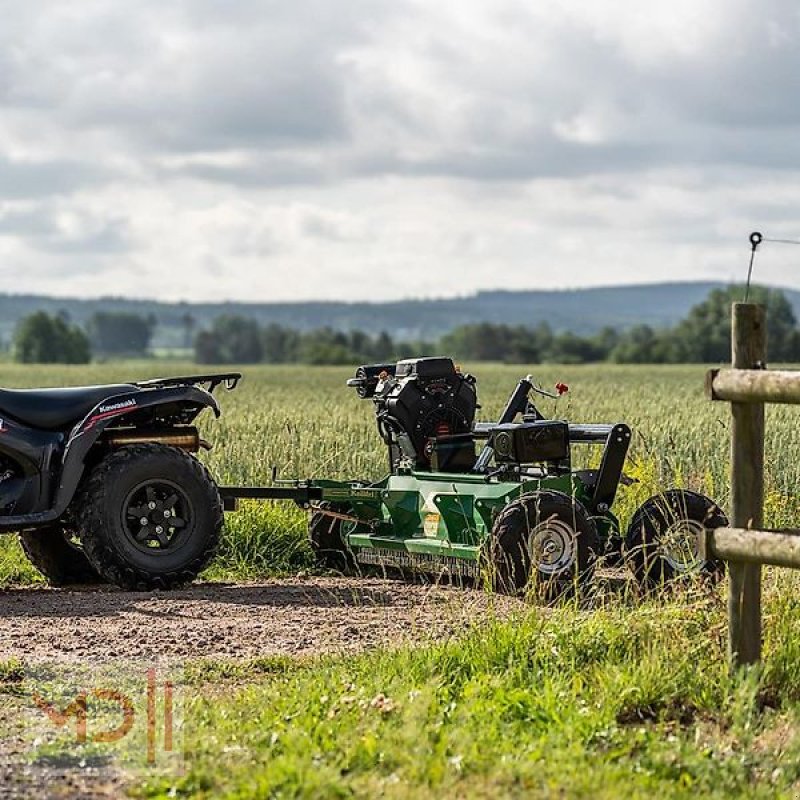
x: 583, y: 311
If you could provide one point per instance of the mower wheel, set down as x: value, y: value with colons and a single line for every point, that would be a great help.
x: 62, y: 561
x: 149, y: 517
x: 325, y: 537
x: 543, y: 543
x: 661, y: 544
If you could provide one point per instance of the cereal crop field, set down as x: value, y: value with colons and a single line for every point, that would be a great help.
x: 628, y: 697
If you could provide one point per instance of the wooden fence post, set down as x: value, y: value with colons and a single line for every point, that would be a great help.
x: 748, y: 351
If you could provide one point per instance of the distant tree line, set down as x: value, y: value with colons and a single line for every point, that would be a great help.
x: 42, y: 338
x: 239, y: 340
x: 702, y: 336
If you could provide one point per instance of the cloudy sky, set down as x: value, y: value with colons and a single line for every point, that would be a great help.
x: 375, y: 149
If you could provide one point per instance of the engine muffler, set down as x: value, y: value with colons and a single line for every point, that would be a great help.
x: 187, y: 438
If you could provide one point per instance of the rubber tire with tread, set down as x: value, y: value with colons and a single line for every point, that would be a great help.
x: 509, y: 554
x: 325, y: 537
x: 107, y: 545
x: 642, y: 552
x: 59, y: 560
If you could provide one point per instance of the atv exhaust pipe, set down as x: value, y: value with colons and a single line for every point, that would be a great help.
x: 186, y: 438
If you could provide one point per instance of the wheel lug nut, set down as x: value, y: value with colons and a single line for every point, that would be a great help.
x: 143, y: 521
x: 159, y: 529
x: 151, y: 505
x: 167, y: 514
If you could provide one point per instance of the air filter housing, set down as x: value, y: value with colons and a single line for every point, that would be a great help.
x: 530, y: 442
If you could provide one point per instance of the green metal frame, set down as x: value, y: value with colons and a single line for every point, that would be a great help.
x: 438, y: 514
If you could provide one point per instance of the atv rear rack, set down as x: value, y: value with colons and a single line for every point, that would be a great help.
x: 229, y: 379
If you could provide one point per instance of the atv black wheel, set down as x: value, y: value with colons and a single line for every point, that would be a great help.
x: 327, y: 543
x: 543, y: 543
x: 661, y: 544
x: 149, y: 517
x: 62, y: 561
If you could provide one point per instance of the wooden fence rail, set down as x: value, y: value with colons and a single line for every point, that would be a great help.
x: 754, y: 385
x: 747, y: 386
x: 780, y: 548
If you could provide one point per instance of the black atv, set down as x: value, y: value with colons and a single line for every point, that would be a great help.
x: 102, y: 482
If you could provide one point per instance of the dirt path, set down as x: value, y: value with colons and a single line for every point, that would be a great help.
x: 288, y: 617
x: 292, y: 616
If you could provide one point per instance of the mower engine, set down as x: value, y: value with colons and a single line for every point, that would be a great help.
x: 425, y: 410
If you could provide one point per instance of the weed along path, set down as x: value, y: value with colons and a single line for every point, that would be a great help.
x: 291, y: 616
x: 107, y: 637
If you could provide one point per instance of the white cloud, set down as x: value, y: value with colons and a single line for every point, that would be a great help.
x: 374, y: 149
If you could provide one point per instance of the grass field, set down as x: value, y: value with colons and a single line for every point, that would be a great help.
x: 629, y: 699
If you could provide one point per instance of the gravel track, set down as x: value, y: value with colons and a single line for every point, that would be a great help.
x: 292, y: 616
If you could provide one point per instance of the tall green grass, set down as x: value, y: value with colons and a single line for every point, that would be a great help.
x: 619, y: 702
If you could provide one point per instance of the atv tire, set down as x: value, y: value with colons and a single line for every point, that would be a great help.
x: 61, y: 561
x: 661, y: 543
x: 542, y: 544
x: 149, y: 517
x: 325, y: 537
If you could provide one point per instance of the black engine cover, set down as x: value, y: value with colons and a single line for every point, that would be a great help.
x: 425, y: 399
x: 530, y: 442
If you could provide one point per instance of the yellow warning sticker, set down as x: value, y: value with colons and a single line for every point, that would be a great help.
x: 431, y: 526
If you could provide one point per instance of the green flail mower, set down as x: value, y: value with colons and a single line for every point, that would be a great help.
x: 496, y: 501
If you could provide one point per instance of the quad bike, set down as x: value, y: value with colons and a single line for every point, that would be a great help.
x: 102, y: 482
x: 515, y: 511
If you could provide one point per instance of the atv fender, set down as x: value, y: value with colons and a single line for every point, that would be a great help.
x: 184, y: 402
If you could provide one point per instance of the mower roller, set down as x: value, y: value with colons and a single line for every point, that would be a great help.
x: 499, y: 501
